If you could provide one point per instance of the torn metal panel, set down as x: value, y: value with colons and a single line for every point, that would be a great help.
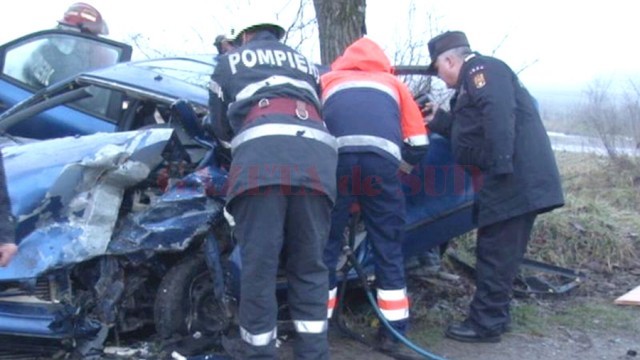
x: 45, y: 320
x: 68, y: 204
x: 175, y: 218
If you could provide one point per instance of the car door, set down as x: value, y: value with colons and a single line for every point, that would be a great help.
x: 43, y: 58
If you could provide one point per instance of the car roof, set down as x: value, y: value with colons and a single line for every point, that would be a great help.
x: 185, y: 77
x: 177, y: 77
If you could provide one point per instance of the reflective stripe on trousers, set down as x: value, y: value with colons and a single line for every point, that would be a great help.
x: 286, y: 130
x: 263, y: 339
x: 368, y: 140
x: 331, y: 303
x: 394, y: 304
x: 310, y: 326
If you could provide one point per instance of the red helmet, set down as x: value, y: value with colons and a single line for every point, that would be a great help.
x: 86, y: 18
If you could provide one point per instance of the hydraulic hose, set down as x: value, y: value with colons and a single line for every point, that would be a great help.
x: 348, y: 251
x: 356, y: 265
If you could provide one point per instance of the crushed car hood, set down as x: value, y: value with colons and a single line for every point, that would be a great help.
x: 66, y: 194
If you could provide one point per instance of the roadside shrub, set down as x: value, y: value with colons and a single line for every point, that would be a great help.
x: 615, y: 119
x: 585, y: 233
x: 599, y: 224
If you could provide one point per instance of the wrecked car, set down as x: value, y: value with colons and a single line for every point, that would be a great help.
x: 120, y: 212
x: 122, y: 97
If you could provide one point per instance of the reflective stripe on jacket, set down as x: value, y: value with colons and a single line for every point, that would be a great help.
x: 379, y: 114
x: 274, y: 148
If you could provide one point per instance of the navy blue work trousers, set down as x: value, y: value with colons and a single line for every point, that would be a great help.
x: 269, y: 221
x: 372, y: 181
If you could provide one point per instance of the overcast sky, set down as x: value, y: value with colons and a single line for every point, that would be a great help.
x: 571, y: 43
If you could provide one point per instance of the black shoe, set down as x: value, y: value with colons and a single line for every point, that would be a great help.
x: 386, y: 344
x: 233, y: 347
x: 506, y: 328
x: 395, y: 349
x: 466, y: 333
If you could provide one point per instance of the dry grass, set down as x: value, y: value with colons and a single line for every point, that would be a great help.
x: 599, y: 225
x: 596, y: 230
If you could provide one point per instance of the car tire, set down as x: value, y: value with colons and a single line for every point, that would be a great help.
x: 185, y: 302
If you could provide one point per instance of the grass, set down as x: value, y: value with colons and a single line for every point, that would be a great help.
x: 599, y: 223
x: 598, y: 315
x: 529, y: 318
x: 585, y: 315
x: 597, y: 229
x: 428, y: 329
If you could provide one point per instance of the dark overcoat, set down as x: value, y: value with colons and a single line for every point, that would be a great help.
x: 495, y: 127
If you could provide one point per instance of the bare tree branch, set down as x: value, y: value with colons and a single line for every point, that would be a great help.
x: 141, y: 43
x: 504, y: 39
x: 527, y: 65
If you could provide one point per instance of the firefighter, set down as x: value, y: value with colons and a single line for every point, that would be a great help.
x: 494, y: 126
x: 8, y: 247
x: 265, y: 103
x: 380, y: 130
x: 85, y: 18
x: 61, y: 57
x: 224, y: 43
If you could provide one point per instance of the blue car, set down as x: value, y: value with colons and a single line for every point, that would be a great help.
x: 118, y: 187
x: 40, y: 59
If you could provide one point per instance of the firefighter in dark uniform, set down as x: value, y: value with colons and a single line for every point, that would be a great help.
x: 494, y: 126
x: 264, y: 102
x: 223, y: 44
x: 59, y: 58
x: 380, y: 130
x: 8, y: 248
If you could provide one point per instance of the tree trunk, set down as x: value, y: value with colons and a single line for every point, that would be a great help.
x: 340, y: 22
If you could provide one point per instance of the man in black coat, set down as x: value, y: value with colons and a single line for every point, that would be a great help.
x: 495, y: 129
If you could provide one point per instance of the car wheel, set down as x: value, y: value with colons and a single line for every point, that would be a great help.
x: 185, y: 303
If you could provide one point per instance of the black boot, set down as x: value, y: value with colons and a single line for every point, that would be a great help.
x: 466, y: 332
x: 234, y: 347
x: 394, y: 347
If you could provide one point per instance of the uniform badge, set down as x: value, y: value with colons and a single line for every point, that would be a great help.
x: 479, y: 80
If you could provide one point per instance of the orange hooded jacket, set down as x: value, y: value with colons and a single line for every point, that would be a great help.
x: 364, y: 68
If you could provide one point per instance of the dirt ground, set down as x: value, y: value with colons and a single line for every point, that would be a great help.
x: 582, y: 324
x: 608, y: 332
x: 559, y: 343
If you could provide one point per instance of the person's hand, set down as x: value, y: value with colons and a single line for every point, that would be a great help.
x: 6, y: 253
x: 429, y: 111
